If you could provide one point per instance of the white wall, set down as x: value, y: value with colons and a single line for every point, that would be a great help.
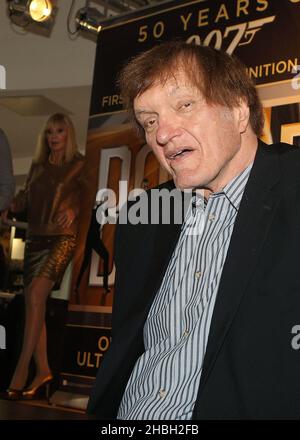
x: 37, y: 62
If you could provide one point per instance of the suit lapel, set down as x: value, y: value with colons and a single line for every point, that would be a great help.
x: 251, y: 227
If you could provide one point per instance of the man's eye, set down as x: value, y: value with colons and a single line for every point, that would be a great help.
x: 187, y: 104
x: 149, y: 123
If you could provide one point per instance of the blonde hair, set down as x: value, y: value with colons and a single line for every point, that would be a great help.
x: 42, y: 150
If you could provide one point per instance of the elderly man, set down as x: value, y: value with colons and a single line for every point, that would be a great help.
x: 205, y: 323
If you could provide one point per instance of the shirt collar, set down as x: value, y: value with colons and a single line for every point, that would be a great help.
x: 233, y: 191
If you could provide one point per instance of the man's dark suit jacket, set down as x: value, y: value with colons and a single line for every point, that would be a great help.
x: 251, y: 368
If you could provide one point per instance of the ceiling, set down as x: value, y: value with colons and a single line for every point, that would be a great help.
x: 50, y: 73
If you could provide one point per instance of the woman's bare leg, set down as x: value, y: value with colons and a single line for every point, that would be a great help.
x: 35, y: 306
x: 41, y: 359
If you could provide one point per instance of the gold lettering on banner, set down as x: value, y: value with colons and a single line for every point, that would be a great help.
x: 202, y: 16
x: 281, y: 67
x: 109, y: 101
x: 98, y: 356
x: 222, y: 13
x: 269, y: 69
x: 88, y: 359
x: 103, y: 343
x: 89, y: 363
x: 185, y: 20
x: 264, y: 4
x: 242, y: 6
x: 158, y: 29
x: 81, y: 359
x: 237, y: 35
x: 143, y: 34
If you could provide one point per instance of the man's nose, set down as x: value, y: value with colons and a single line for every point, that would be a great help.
x: 166, y: 131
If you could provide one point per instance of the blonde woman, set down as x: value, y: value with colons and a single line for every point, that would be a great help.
x: 51, y: 198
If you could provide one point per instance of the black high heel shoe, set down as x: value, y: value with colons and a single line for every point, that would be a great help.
x: 13, y: 394
x: 42, y: 389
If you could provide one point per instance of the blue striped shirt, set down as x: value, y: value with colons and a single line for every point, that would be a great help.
x: 165, y: 380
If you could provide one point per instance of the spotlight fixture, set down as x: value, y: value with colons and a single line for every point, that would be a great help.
x: 91, y: 20
x: 31, y: 10
x: 88, y: 19
x: 40, y: 10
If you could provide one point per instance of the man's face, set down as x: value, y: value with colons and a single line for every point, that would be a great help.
x: 198, y: 143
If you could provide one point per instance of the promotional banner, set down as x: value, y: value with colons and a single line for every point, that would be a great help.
x: 265, y: 35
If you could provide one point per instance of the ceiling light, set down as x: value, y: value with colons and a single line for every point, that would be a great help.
x: 40, y: 10
x: 88, y: 19
x: 31, y: 10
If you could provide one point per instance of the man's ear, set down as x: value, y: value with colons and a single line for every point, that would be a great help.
x: 243, y: 115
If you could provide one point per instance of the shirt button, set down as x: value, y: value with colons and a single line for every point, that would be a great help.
x: 211, y: 217
x: 198, y: 274
x: 162, y: 393
x: 186, y: 333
